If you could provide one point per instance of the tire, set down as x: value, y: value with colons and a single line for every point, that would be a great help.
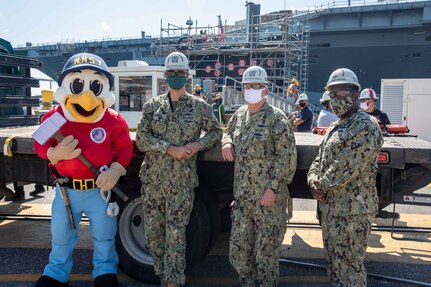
x: 198, y: 233
x: 214, y: 217
x: 135, y: 259
x: 6, y: 193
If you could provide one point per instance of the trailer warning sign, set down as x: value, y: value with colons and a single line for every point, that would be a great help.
x: 410, y: 198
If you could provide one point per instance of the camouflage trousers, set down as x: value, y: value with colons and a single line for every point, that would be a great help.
x: 345, y: 239
x: 166, y: 215
x: 256, y: 237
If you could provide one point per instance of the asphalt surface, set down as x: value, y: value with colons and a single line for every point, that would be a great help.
x: 25, y: 246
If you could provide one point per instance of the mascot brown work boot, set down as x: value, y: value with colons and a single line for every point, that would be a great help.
x: 46, y: 281
x: 106, y: 280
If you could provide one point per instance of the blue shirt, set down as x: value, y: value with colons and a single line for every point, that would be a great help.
x: 307, y: 116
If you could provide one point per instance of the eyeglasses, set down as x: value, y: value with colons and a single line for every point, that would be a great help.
x: 364, y: 100
x: 342, y: 93
x: 170, y: 74
x: 254, y: 86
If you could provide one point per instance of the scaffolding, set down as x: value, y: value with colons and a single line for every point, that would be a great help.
x: 273, y: 41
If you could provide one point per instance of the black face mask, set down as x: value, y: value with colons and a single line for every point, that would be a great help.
x: 302, y: 105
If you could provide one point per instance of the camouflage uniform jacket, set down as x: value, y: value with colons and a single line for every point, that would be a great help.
x: 265, y: 151
x: 161, y: 126
x: 346, y: 165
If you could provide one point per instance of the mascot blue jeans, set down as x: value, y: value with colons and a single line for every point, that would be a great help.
x: 102, y: 228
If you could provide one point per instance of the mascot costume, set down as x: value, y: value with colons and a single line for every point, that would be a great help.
x: 99, y: 134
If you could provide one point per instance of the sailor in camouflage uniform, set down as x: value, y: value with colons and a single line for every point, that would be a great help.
x: 343, y: 179
x: 260, y: 139
x: 169, y: 133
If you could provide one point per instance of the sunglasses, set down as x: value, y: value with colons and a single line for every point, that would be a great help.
x: 364, y: 100
x: 171, y: 74
x: 342, y: 93
x: 254, y: 86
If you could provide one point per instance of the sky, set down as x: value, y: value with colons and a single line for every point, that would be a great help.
x: 53, y: 21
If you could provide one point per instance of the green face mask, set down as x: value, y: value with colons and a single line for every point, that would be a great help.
x: 175, y: 82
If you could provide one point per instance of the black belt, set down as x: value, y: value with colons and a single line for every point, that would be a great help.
x: 81, y: 184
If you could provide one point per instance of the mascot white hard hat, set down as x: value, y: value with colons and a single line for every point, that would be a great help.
x: 255, y: 75
x: 368, y: 93
x: 343, y: 76
x: 176, y: 61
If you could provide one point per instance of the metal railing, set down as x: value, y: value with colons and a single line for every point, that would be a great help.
x: 346, y: 3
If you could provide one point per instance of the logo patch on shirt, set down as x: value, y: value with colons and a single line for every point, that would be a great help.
x: 98, y: 135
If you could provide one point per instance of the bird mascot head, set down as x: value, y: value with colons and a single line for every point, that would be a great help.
x: 84, y: 91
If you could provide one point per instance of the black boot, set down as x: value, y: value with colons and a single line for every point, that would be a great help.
x: 46, y: 281
x: 106, y: 280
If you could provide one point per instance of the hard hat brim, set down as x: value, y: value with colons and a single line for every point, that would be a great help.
x: 342, y: 82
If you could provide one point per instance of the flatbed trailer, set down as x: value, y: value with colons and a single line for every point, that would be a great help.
x: 404, y: 167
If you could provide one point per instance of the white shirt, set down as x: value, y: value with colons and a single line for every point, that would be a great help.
x: 326, y: 118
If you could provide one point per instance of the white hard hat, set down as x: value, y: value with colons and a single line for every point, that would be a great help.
x: 254, y: 74
x: 303, y: 97
x: 325, y: 97
x: 368, y: 93
x: 176, y: 61
x: 343, y: 76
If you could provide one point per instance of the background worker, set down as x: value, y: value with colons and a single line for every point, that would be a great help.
x: 197, y: 91
x: 293, y: 115
x: 343, y: 179
x: 326, y: 115
x: 368, y: 100
x: 218, y: 109
x: 304, y: 118
x: 292, y: 90
x: 169, y: 133
x: 260, y: 140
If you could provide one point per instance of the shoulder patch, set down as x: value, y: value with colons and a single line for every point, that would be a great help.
x: 357, y: 128
x: 280, y: 125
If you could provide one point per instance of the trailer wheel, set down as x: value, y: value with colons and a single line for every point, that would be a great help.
x: 214, y: 216
x: 135, y: 259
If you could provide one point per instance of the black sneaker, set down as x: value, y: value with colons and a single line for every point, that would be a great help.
x: 106, y: 280
x: 46, y: 281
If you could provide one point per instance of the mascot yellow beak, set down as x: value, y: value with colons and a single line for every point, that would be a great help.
x: 85, y: 107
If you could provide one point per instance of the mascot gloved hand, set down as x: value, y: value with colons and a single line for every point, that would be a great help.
x: 101, y: 136
x: 65, y: 150
x: 108, y: 178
